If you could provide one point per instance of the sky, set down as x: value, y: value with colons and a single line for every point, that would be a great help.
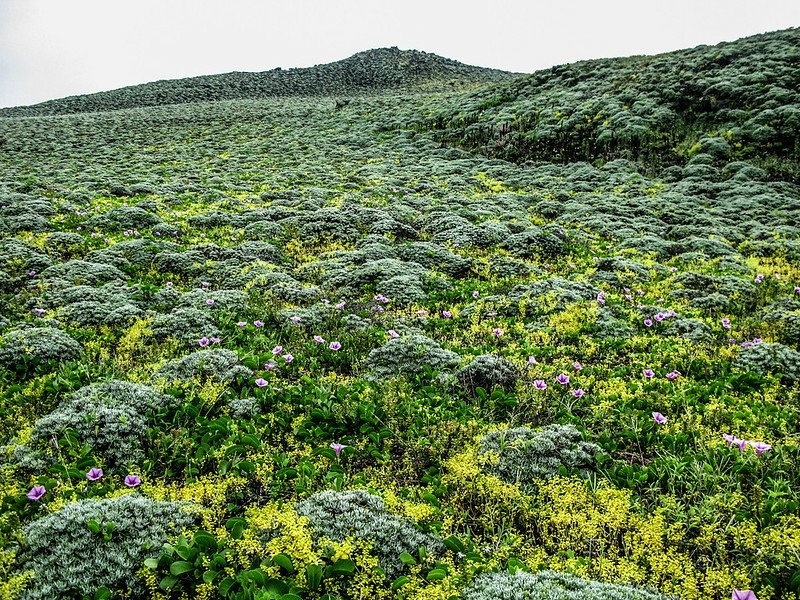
x: 55, y: 48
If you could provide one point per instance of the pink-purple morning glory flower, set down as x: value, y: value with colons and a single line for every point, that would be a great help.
x: 760, y: 447
x: 261, y: 382
x: 381, y: 298
x: 169, y: 284
x: 270, y: 366
x: 242, y: 324
x: 335, y: 346
x: 319, y: 339
x: 210, y: 302
x: 577, y: 366
x: 648, y: 323
x: 497, y: 331
x: 258, y: 323
x: 578, y: 393
x: 215, y: 340
x: 601, y: 298
x: 288, y: 358
x: 743, y: 595
x: 393, y: 334
x: 422, y: 312
x: 539, y: 384
x: 294, y: 319
x: 94, y: 474
x: 648, y: 373
x: 532, y: 361
x: 203, y: 342
x: 797, y: 290
x: 39, y: 311
x: 341, y: 305
x: 673, y: 375
x: 336, y: 447
x: 726, y: 323
x: 36, y: 492
x: 132, y: 480
x: 277, y: 350
x: 475, y: 294
x: 446, y: 314
x: 732, y: 440
x: 563, y: 379
x: 659, y: 418
x: 759, y: 278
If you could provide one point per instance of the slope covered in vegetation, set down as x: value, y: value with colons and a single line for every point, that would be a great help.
x: 298, y: 348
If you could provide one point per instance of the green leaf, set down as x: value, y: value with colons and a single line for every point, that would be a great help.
x: 436, y: 575
x: 151, y: 563
x: 226, y: 585
x: 179, y: 567
x: 209, y: 576
x: 407, y: 559
x: 313, y: 576
x: 236, y: 526
x: 204, y: 541
x: 284, y: 561
x: 168, y: 582
x: 343, y: 566
x: 454, y: 545
x: 276, y: 586
x: 399, y: 582
x: 102, y: 593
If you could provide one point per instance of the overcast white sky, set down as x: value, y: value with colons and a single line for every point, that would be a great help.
x: 55, y: 48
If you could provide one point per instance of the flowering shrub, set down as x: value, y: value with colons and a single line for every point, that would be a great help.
x: 488, y: 371
x: 68, y: 558
x: 215, y: 364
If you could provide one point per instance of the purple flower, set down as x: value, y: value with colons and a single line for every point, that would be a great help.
x: 532, y: 361
x: 336, y: 447
x: 242, y: 323
x: 743, y: 595
x: 757, y: 340
x: 648, y: 373
x: 203, y: 341
x: 446, y: 314
x: 797, y: 290
x: 659, y: 418
x: 726, y: 323
x: 36, y: 492
x: 288, y: 358
x: 210, y: 302
x: 94, y: 474
x: 31, y: 273
x: 341, y: 305
x: 132, y: 480
x: 319, y: 339
x: 563, y: 379
x: 539, y: 384
x: 760, y: 447
x: 269, y: 366
x: 215, y: 340
x: 277, y: 350
x: 577, y: 366
x: 601, y: 299
x: 39, y: 311
x: 335, y: 346
x: 258, y: 323
x: 204, y: 284
x: 393, y: 334
x: 497, y: 331
x: 578, y: 393
x: 260, y: 382
x: 759, y: 278
x: 168, y: 284
x: 673, y: 269
x: 475, y: 294
x: 673, y: 375
x: 422, y: 312
x: 294, y: 319
x: 648, y: 323
x: 660, y: 317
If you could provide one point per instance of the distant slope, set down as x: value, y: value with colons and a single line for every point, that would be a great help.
x: 369, y: 71
x: 738, y: 100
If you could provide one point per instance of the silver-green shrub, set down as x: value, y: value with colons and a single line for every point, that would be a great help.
x: 526, y: 455
x: 39, y: 344
x: 488, y: 372
x: 217, y: 364
x: 363, y: 516
x: 111, y: 417
x: 766, y: 358
x: 549, y: 585
x: 408, y: 354
x: 69, y: 560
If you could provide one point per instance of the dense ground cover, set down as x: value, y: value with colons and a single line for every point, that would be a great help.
x: 315, y: 348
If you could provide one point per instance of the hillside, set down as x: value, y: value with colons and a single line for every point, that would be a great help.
x: 533, y: 336
x: 372, y: 71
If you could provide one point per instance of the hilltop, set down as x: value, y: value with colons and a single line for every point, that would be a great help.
x: 368, y: 72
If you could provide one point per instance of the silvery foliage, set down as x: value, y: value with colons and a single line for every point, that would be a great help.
x: 42, y: 343
x: 244, y: 408
x: 549, y: 585
x: 361, y: 515
x: 534, y: 242
x: 690, y: 329
x: 566, y: 291
x: 216, y: 363
x: 111, y: 417
x: 526, y: 455
x: 185, y: 324
x: 766, y: 358
x: 488, y: 372
x: 109, y: 304
x: 81, y: 272
x: 408, y: 354
x: 68, y: 559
